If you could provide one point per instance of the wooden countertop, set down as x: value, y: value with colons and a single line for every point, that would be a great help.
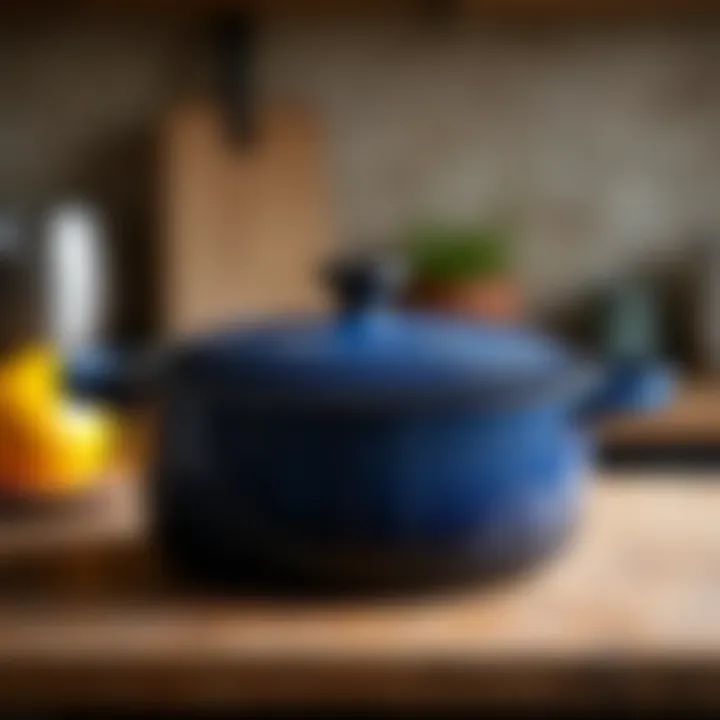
x: 694, y: 417
x: 629, y: 610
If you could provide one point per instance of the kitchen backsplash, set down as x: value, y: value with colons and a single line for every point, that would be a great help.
x: 602, y: 144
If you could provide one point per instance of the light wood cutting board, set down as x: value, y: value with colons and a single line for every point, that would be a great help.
x: 246, y: 225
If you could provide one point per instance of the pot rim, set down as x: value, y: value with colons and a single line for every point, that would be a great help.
x: 569, y: 390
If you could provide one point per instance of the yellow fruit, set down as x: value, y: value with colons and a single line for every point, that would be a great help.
x: 29, y: 376
x: 74, y: 444
x: 48, y: 446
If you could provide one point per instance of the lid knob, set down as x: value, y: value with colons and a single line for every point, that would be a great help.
x: 364, y: 282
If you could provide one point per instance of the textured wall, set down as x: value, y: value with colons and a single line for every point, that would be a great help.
x: 604, y: 145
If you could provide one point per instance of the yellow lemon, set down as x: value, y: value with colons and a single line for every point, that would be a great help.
x: 48, y: 446
x: 29, y: 376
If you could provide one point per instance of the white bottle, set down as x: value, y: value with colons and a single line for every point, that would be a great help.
x: 76, y: 269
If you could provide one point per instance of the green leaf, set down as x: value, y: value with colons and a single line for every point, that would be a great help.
x: 452, y: 253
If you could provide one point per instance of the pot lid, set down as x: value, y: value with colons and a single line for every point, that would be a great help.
x: 369, y: 355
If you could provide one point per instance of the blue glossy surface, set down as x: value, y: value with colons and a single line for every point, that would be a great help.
x: 99, y: 373
x: 633, y: 386
x: 321, y: 446
x: 382, y: 356
x: 415, y: 479
x: 475, y: 485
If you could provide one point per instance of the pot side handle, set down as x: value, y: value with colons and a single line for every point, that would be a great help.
x: 629, y: 387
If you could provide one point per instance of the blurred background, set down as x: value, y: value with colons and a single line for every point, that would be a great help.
x: 166, y: 168
x: 596, y: 137
x: 589, y: 130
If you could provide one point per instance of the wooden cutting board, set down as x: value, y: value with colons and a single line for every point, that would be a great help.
x: 246, y: 225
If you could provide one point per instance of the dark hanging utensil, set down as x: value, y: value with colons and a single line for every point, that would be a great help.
x: 234, y: 40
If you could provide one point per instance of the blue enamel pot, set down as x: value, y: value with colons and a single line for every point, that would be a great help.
x: 369, y: 447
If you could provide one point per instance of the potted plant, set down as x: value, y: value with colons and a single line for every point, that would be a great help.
x: 464, y: 270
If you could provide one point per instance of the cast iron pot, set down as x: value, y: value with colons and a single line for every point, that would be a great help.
x: 372, y: 447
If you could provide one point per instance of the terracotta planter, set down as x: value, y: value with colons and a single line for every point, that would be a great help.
x: 495, y: 300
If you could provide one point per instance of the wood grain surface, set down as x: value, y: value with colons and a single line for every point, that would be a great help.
x: 694, y: 417
x: 246, y: 225
x: 631, y: 607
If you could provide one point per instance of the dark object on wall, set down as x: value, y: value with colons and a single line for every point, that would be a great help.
x: 234, y: 38
x: 20, y: 292
x: 122, y: 184
x: 630, y: 321
x: 707, y: 316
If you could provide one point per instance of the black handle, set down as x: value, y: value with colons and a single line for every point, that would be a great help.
x: 234, y: 38
x: 364, y: 282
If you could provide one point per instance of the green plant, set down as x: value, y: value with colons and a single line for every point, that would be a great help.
x: 447, y: 253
